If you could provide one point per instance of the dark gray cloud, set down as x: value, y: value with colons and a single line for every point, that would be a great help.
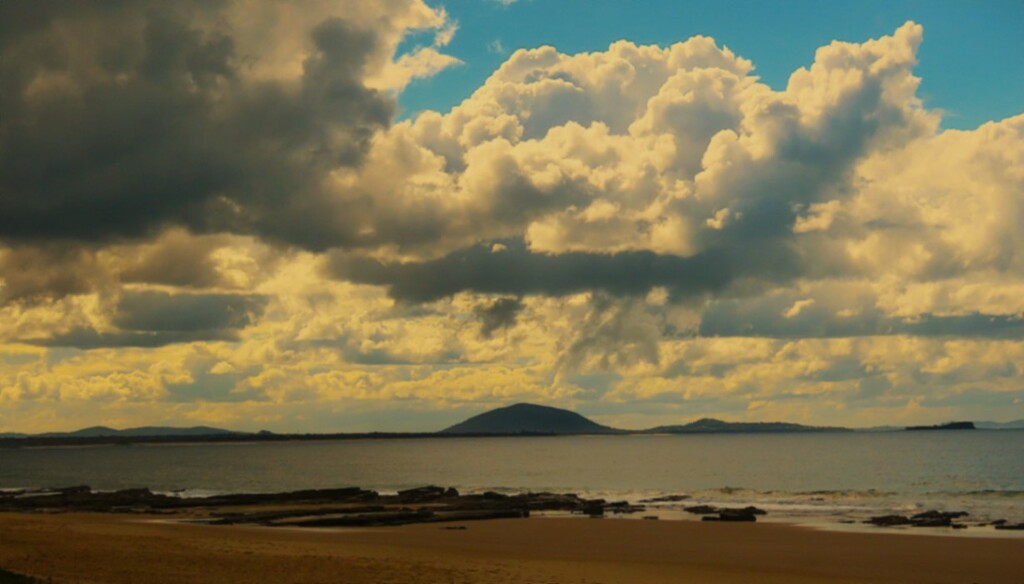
x: 614, y: 334
x: 118, y: 119
x: 518, y: 271
x: 155, y: 319
x: 767, y: 317
x: 186, y: 313
x: 37, y: 273
x: 500, y: 314
x: 175, y: 260
x: 87, y: 338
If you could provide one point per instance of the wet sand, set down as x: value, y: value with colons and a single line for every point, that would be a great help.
x: 114, y: 549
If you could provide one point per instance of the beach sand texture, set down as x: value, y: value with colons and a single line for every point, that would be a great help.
x: 114, y: 549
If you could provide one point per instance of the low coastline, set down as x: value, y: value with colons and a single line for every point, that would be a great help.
x: 119, y: 548
x: 435, y: 534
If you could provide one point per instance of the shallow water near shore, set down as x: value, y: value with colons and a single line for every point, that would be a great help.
x: 806, y: 478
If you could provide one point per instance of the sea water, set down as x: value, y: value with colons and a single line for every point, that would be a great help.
x: 803, y: 477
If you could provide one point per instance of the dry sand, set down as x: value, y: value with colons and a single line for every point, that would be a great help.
x: 114, y: 549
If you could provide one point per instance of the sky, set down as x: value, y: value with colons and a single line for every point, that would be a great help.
x: 352, y: 215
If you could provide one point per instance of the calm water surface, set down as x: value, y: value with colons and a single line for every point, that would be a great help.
x: 841, y: 475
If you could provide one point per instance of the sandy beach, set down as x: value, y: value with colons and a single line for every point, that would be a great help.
x: 114, y: 549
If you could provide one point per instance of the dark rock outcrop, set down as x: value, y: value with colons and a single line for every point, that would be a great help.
x: 623, y: 508
x: 76, y: 490
x: 889, y: 520
x: 381, y: 518
x: 733, y: 514
x: 701, y: 509
x: 342, y: 507
x: 82, y: 498
x: 430, y: 493
x: 710, y: 510
x: 667, y: 499
x: 931, y: 518
x: 936, y: 518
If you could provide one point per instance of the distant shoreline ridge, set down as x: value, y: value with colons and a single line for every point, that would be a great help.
x: 517, y: 420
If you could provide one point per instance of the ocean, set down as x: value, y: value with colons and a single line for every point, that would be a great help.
x: 829, y: 479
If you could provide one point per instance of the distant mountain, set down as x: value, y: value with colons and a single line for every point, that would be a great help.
x: 83, y: 433
x: 103, y: 431
x: 1014, y: 425
x: 713, y: 426
x: 12, y: 435
x: 529, y: 419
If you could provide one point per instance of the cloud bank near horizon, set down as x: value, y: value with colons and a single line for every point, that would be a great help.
x: 208, y: 213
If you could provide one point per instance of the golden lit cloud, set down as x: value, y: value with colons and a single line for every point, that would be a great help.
x: 632, y: 226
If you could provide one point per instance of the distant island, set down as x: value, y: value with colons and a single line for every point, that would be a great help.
x: 141, y: 432
x: 529, y: 419
x: 947, y: 426
x: 522, y: 419
x: 713, y: 426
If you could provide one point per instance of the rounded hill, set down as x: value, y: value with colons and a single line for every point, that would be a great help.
x: 528, y: 419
